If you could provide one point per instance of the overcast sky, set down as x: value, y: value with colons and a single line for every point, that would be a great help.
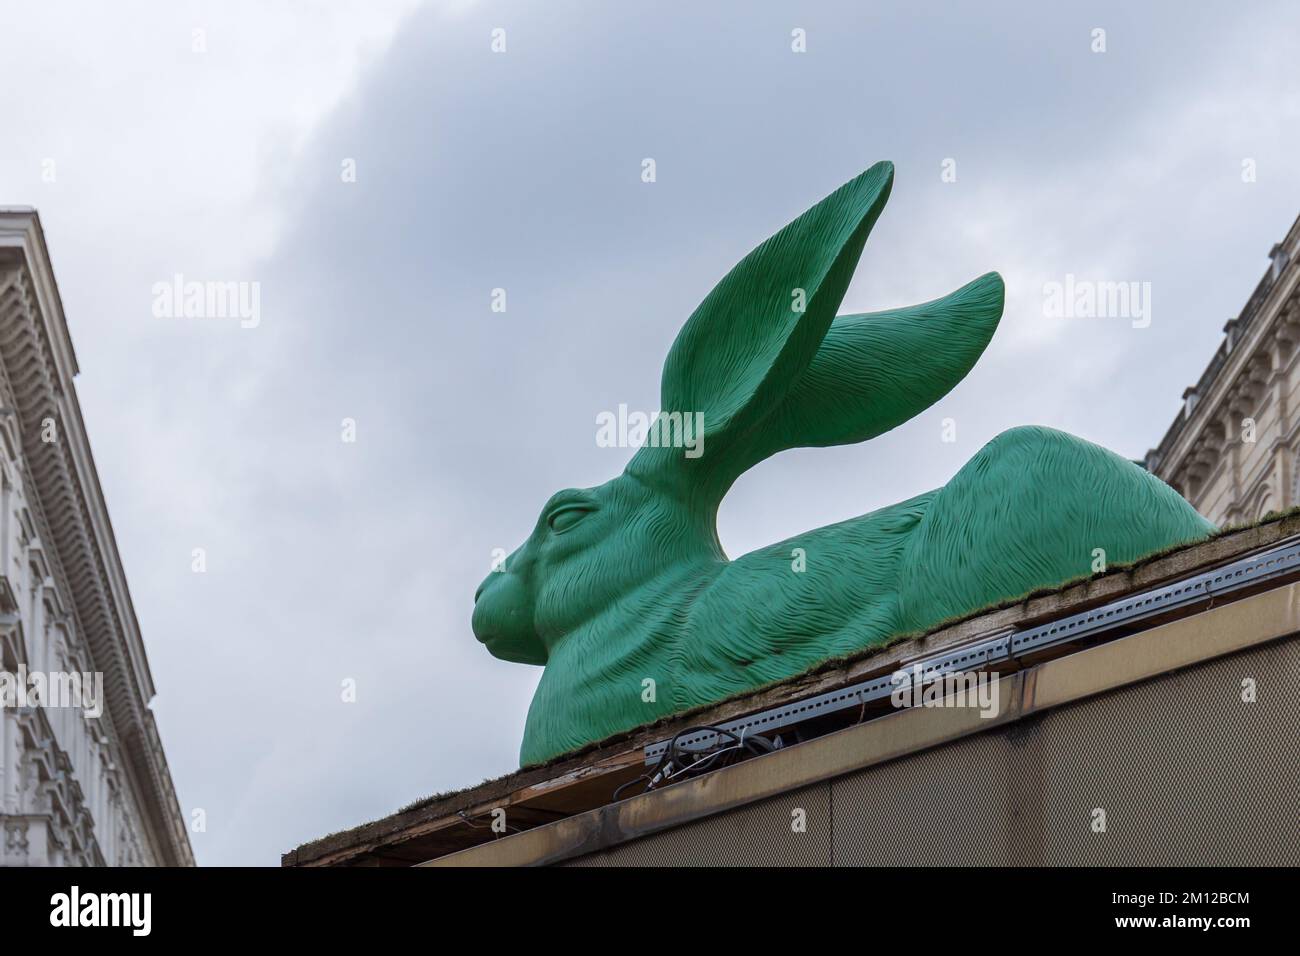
x: 330, y: 561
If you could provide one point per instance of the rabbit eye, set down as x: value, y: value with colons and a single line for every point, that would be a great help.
x: 566, y: 518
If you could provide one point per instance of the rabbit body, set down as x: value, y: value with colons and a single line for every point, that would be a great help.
x: 1032, y: 509
x: 623, y: 591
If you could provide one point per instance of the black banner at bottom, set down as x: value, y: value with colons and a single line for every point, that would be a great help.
x: 330, y: 906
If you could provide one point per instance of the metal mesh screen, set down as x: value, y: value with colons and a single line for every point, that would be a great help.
x: 949, y: 806
x: 1186, y: 772
x: 762, y: 834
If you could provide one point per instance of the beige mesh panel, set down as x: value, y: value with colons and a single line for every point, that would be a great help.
x: 761, y: 834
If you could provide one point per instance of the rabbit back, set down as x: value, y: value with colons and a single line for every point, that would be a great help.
x: 782, y: 609
x: 1034, y: 509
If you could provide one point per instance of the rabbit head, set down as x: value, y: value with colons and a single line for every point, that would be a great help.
x: 590, y: 548
x: 768, y: 365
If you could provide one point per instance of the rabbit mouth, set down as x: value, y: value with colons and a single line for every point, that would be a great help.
x: 488, y: 640
x: 521, y: 648
x: 484, y: 625
x: 505, y: 627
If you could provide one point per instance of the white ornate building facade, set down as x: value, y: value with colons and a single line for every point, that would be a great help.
x: 75, y: 789
x: 1234, y: 449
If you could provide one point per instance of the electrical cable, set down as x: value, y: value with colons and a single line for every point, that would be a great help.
x: 679, y: 761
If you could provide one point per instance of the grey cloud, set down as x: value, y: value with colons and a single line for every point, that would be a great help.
x: 333, y: 561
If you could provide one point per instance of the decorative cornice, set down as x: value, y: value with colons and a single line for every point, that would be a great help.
x: 68, y: 506
x: 1275, y: 297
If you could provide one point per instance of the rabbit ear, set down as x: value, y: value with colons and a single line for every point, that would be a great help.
x: 875, y: 371
x: 754, y: 335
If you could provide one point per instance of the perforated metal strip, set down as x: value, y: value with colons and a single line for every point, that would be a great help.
x: 1009, y: 644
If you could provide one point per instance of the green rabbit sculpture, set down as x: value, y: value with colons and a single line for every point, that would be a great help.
x: 623, y: 591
